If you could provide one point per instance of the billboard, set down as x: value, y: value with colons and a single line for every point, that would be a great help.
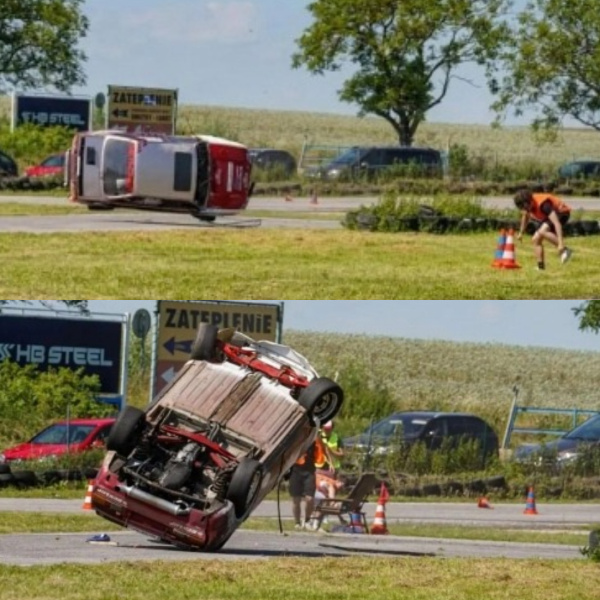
x: 48, y: 111
x: 54, y: 342
x: 179, y: 320
x: 141, y: 110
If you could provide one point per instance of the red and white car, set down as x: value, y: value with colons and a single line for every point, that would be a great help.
x: 192, y: 467
x: 63, y: 437
x: 53, y: 165
x: 202, y: 175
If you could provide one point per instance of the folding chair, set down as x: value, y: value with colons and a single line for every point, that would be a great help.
x: 342, y: 508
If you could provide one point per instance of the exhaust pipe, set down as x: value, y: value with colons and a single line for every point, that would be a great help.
x: 173, y: 509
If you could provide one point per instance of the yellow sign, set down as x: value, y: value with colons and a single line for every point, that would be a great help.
x: 138, y: 109
x: 178, y: 322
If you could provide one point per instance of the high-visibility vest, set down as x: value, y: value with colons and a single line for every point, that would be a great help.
x: 318, y: 454
x: 333, y: 442
x: 538, y: 199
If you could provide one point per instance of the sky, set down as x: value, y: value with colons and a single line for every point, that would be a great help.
x: 233, y: 53
x: 545, y: 323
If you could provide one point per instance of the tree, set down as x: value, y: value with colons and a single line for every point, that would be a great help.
x: 589, y: 315
x: 553, y: 66
x: 406, y: 53
x: 38, y: 44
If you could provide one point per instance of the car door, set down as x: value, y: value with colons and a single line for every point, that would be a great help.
x: 435, y: 433
x: 90, y: 167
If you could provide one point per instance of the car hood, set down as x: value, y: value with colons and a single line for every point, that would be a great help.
x: 550, y: 448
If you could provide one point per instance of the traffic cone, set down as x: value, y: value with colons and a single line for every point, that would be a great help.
x: 87, y: 502
x: 484, y: 503
x: 499, y: 250
x: 509, y: 259
x: 379, y: 526
x: 530, y: 508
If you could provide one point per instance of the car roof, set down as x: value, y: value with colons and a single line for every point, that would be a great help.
x: 429, y: 414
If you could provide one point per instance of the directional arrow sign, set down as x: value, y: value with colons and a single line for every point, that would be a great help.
x: 174, y: 345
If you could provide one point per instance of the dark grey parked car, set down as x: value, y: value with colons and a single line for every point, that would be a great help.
x: 564, y: 449
x: 431, y: 428
x: 271, y: 159
x: 580, y: 169
x: 8, y: 166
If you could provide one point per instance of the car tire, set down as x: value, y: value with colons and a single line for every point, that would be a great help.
x: 205, y: 344
x: 322, y: 399
x: 126, y: 431
x: 6, y: 479
x: 244, y: 486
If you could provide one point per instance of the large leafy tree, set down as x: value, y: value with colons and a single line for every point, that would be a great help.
x: 405, y: 53
x: 552, y: 70
x: 589, y: 315
x: 38, y: 44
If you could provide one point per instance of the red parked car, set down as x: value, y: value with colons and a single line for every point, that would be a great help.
x: 192, y: 467
x: 64, y: 437
x: 52, y: 165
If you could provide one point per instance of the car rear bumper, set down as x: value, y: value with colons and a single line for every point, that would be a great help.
x: 177, y: 524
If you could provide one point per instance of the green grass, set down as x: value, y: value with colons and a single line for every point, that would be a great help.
x: 286, y: 264
x: 351, y: 578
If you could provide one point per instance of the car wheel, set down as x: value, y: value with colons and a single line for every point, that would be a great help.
x: 322, y: 399
x: 100, y: 206
x: 126, y: 431
x: 244, y: 486
x: 205, y: 344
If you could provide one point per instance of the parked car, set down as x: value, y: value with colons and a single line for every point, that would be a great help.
x: 201, y: 175
x: 271, y: 159
x: 8, y: 166
x: 580, y: 169
x: 192, y: 467
x: 51, y: 165
x: 431, y: 428
x: 361, y: 161
x: 63, y: 437
x: 564, y: 449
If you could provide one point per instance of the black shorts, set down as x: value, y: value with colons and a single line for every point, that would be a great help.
x: 563, y: 218
x: 302, y: 482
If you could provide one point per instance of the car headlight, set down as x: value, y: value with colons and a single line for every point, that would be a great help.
x: 567, y: 456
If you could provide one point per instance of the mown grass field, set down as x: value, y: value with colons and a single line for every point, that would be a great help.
x: 284, y: 264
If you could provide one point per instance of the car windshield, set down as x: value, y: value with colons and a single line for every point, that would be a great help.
x: 590, y: 431
x: 401, y: 426
x: 350, y: 156
x: 63, y: 433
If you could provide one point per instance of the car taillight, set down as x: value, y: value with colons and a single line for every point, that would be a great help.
x: 129, y: 178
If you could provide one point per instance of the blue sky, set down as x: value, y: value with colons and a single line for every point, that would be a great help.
x: 234, y: 53
x: 547, y: 323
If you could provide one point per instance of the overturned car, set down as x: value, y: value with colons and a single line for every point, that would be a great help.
x: 191, y: 468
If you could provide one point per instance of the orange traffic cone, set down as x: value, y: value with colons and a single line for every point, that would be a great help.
x: 484, y: 503
x: 379, y: 526
x: 497, y: 263
x: 530, y: 508
x: 87, y: 502
x: 509, y: 259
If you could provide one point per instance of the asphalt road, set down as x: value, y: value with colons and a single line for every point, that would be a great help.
x: 151, y: 221
x: 54, y: 548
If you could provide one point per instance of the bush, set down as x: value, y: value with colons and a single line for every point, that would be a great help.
x: 30, y: 399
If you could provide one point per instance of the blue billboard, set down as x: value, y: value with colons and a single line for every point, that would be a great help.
x: 49, y: 111
x: 54, y: 342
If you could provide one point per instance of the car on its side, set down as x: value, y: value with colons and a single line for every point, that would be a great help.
x: 63, y: 437
x: 273, y: 160
x: 579, y: 169
x: 369, y: 161
x: 564, y: 449
x: 8, y: 165
x: 192, y: 467
x: 434, y: 429
x: 202, y: 175
x: 53, y: 165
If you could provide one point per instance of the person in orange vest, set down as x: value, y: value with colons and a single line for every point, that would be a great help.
x: 551, y: 214
x: 303, y: 483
